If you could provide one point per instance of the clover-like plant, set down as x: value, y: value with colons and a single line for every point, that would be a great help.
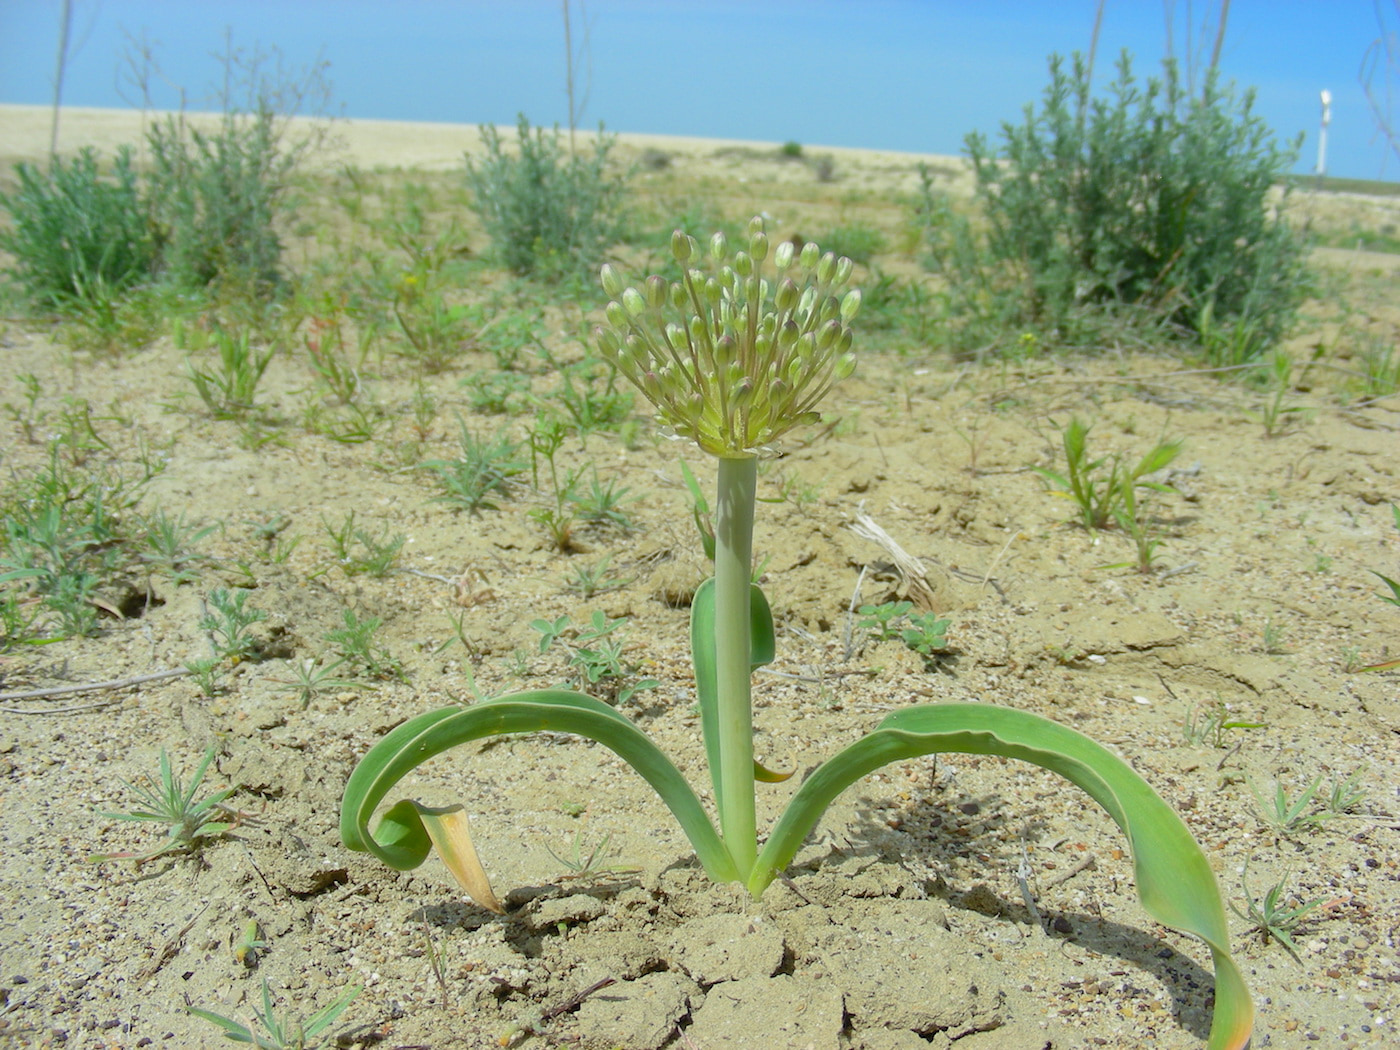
x: 733, y: 360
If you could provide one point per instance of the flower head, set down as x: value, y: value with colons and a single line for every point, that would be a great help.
x: 728, y: 357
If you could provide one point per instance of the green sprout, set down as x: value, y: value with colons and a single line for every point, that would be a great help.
x: 280, y: 1033
x: 168, y: 801
x: 734, y: 360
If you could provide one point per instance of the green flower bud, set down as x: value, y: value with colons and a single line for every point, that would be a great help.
x: 656, y: 292
x: 850, y: 305
x: 787, y: 295
x: 680, y: 298
x: 612, y: 283
x: 810, y: 253
x: 787, y: 335
x: 782, y: 255
x: 607, y: 341
x: 617, y: 316
x: 743, y: 264
x: 675, y: 337
x: 845, y: 366
x: 718, y: 245
x: 843, y: 270
x: 827, y: 335
x: 633, y: 302
x: 826, y: 268
x: 758, y: 246
x: 680, y: 246
x: 725, y: 349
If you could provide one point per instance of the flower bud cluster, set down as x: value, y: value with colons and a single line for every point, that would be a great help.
x: 729, y: 357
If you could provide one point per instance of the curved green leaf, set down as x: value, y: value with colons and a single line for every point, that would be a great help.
x: 400, y: 839
x: 1174, y: 879
x: 762, y: 647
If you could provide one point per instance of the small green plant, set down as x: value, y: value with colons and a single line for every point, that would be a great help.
x: 229, y: 387
x: 1096, y: 486
x: 925, y: 633
x: 1273, y: 918
x: 589, y: 580
x: 497, y: 394
x: 250, y: 945
x: 1277, y: 378
x: 547, y: 214
x: 358, y: 551
x: 546, y: 439
x: 601, y: 503
x: 596, y: 655
x: 1393, y: 598
x: 596, y: 861
x: 1293, y: 816
x: 700, y: 511
x: 882, y: 620
x: 310, y: 679
x: 922, y: 632
x: 168, y: 801
x: 1207, y: 726
x: 168, y: 546
x: 1273, y: 635
x: 437, y: 331
x: 790, y: 150
x: 228, y: 622
x: 707, y: 363
x: 356, y: 643
x: 271, y: 1032
x: 481, y: 474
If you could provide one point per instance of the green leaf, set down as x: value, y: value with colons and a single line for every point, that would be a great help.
x: 762, y: 648
x: 400, y: 839
x: 1174, y: 879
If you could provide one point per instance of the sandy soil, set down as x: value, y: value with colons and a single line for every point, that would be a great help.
x: 969, y: 902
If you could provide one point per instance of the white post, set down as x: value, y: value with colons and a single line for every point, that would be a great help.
x: 1322, y: 134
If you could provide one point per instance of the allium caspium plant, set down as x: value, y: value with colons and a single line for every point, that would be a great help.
x: 733, y: 361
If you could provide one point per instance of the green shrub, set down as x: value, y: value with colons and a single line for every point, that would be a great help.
x: 1151, y: 204
x: 77, y: 237
x: 216, y: 198
x: 547, y: 213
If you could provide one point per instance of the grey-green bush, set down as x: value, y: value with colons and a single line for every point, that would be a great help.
x: 1150, y: 204
x: 216, y: 198
x: 547, y: 213
x: 77, y: 236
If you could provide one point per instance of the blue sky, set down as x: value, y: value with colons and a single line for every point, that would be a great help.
x: 913, y: 75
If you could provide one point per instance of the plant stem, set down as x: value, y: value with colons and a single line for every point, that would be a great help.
x: 738, y: 481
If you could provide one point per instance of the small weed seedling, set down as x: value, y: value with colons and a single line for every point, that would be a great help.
x: 581, y: 865
x: 922, y: 632
x: 1290, y: 816
x: 589, y: 580
x: 168, y: 801
x: 1096, y: 486
x: 229, y: 388
x: 271, y: 1032
x: 228, y: 624
x: 356, y: 643
x: 169, y: 546
x: 1272, y: 918
x: 596, y: 654
x: 737, y: 351
x: 358, y: 551
x: 1393, y: 598
x: 480, y: 475
x: 1208, y: 726
x: 309, y: 680
x: 700, y: 511
x: 250, y: 945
